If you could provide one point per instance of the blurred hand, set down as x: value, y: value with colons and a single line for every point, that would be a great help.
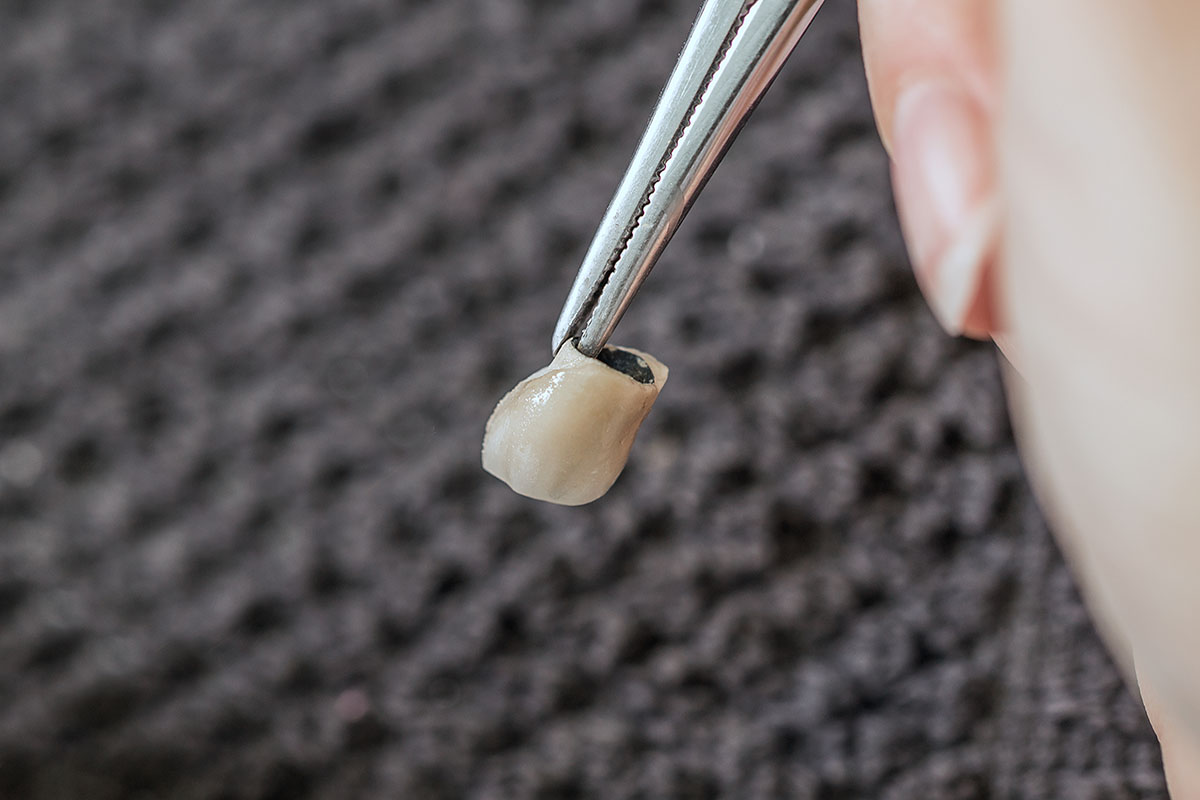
x: 1047, y: 173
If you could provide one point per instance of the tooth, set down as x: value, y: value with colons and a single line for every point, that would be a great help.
x: 564, y: 433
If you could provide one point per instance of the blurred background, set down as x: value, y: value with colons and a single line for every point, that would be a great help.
x: 265, y: 267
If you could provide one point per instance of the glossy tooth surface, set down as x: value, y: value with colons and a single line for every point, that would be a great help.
x: 564, y: 433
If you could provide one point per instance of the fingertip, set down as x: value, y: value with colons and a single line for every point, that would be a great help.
x: 946, y: 197
x: 930, y: 73
x: 907, y: 41
x: 982, y: 322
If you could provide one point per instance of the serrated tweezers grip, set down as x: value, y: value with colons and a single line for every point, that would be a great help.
x: 735, y: 49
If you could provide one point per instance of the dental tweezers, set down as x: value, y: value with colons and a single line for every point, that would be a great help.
x: 734, y: 51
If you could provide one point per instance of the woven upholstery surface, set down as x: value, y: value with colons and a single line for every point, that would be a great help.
x: 265, y: 266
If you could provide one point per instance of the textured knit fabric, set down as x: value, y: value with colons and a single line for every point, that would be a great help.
x: 266, y: 265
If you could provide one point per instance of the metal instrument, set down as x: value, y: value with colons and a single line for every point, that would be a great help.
x: 734, y: 51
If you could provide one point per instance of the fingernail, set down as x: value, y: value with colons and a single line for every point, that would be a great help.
x: 945, y: 194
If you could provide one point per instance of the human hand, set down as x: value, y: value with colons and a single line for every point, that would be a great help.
x: 1048, y: 182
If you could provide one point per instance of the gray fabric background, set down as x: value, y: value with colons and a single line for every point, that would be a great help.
x: 265, y: 266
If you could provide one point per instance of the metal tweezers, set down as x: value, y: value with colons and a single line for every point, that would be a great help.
x: 734, y: 51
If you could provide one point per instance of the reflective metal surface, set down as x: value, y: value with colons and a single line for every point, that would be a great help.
x: 735, y: 49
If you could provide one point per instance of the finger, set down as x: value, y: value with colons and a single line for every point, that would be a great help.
x: 930, y: 68
x: 1097, y: 290
x: 1180, y: 748
x: 908, y: 41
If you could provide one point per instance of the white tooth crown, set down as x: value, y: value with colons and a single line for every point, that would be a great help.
x: 564, y: 433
